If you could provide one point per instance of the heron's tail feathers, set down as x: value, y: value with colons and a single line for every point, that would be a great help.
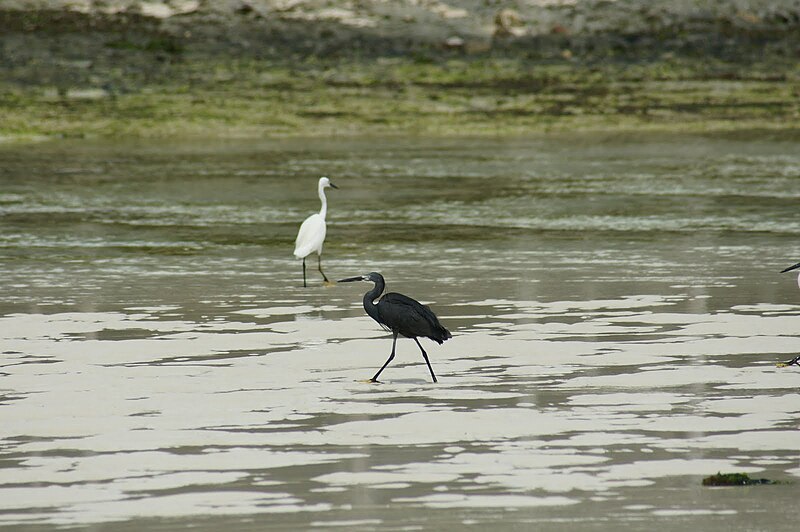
x: 440, y: 334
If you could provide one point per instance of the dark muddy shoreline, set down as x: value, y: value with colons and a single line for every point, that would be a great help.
x: 238, y: 70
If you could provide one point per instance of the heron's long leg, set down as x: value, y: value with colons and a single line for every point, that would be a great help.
x: 319, y: 264
x: 425, y: 356
x: 394, y: 343
x: 304, y: 272
x: 795, y: 360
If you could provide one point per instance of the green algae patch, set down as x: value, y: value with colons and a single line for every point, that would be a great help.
x: 734, y: 479
x: 215, y: 70
x: 250, y: 98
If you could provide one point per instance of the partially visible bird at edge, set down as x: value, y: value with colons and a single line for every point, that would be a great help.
x: 795, y: 360
x: 312, y: 231
x: 401, y: 315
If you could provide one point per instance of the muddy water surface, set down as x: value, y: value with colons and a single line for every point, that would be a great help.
x: 615, y: 303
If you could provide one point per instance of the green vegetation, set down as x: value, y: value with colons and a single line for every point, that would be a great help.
x: 451, y: 95
x: 156, y: 44
x: 734, y: 479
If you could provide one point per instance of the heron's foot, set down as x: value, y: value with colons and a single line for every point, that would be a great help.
x: 374, y: 381
x: 793, y: 362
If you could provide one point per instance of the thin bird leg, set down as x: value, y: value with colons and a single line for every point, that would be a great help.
x: 425, y: 356
x: 795, y: 360
x: 304, y: 272
x: 391, y: 357
x: 319, y: 265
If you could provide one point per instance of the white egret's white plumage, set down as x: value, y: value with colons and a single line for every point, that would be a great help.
x: 312, y: 231
x: 795, y: 360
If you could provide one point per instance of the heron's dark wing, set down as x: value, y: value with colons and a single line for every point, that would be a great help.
x: 410, y: 317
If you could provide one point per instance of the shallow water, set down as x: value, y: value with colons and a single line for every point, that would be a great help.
x: 615, y: 302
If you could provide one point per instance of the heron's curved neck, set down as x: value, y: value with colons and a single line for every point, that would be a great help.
x: 324, y: 210
x: 371, y: 296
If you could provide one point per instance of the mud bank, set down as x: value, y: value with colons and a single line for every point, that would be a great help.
x: 261, y: 68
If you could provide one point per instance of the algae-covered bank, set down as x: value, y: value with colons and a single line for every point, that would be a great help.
x: 262, y: 68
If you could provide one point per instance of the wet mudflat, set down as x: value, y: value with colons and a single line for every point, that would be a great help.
x: 615, y: 303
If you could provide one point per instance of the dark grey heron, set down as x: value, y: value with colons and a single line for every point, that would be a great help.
x: 795, y: 360
x: 312, y: 231
x: 401, y: 315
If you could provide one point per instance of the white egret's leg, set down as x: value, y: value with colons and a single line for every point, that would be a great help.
x: 319, y: 265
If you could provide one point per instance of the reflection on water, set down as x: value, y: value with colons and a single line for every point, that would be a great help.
x: 616, y: 309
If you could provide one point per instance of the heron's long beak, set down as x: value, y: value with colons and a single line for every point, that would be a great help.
x: 790, y: 268
x: 351, y: 279
x: 332, y: 185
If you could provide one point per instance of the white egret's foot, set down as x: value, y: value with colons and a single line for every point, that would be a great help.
x: 328, y: 284
x: 793, y: 362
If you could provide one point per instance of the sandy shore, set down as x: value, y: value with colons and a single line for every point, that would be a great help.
x: 290, y: 67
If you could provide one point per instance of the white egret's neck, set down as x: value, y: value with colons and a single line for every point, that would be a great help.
x: 324, y: 209
x: 798, y: 279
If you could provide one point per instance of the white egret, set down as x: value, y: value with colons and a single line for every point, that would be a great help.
x: 312, y: 232
x: 795, y: 360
